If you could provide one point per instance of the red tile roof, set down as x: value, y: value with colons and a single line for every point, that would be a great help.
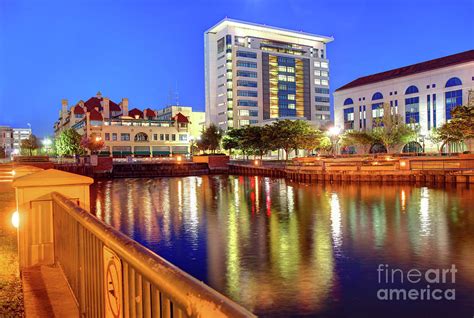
x: 149, y: 112
x: 180, y: 118
x: 446, y: 61
x: 134, y: 112
x: 114, y: 107
x: 78, y: 110
x: 92, y: 103
x: 95, y: 115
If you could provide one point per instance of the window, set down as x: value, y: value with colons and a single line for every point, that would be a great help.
x: 251, y: 55
x: 245, y: 102
x: 317, y: 64
x: 322, y: 117
x: 324, y: 65
x: 155, y: 136
x: 428, y: 110
x: 114, y: 137
x: 452, y: 99
x: 453, y: 81
x: 324, y: 82
x: 290, y: 96
x: 317, y: 73
x: 317, y: 81
x: 290, y: 78
x: 244, y: 112
x: 125, y: 137
x: 173, y: 137
x: 167, y: 137
x: 162, y: 137
x: 220, y: 45
x: 107, y: 136
x: 321, y: 108
x: 244, y: 122
x: 247, y: 93
x: 247, y: 73
x: 322, y: 99
x: 411, y: 90
x: 412, y: 112
x: 348, y: 101
x: 377, y: 96
x: 141, y: 137
x: 377, y: 110
x: 247, y: 64
x: 324, y: 73
x: 246, y: 83
x: 183, y: 137
x: 320, y: 90
x: 349, y: 114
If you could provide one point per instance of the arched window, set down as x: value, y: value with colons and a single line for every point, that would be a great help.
x: 141, y: 137
x: 348, y: 101
x: 411, y: 90
x: 377, y: 96
x: 378, y: 148
x: 453, y: 81
x: 412, y: 147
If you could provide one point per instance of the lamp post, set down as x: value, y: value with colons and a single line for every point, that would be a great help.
x: 422, y: 139
x: 334, y: 136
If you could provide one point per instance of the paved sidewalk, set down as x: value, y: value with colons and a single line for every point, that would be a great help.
x: 46, y: 293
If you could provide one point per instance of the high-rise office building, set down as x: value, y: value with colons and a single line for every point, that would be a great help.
x: 256, y: 74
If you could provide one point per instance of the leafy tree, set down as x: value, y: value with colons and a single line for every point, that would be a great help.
x: 286, y: 134
x: 68, y: 143
x: 29, y: 145
x: 449, y: 134
x: 310, y: 139
x: 361, y: 139
x: 232, y: 140
x: 391, y: 131
x: 256, y: 139
x: 210, y: 138
x: 93, y: 143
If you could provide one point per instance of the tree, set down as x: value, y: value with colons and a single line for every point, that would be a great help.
x: 449, y: 134
x: 3, y: 153
x: 68, y: 143
x: 255, y: 139
x: 232, y: 140
x: 210, y: 138
x: 286, y: 134
x: 391, y: 131
x: 29, y: 145
x: 357, y: 138
x: 310, y: 139
x: 93, y: 143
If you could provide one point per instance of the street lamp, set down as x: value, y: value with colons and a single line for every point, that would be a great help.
x: 334, y: 136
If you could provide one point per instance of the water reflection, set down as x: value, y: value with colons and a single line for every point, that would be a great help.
x: 282, y: 248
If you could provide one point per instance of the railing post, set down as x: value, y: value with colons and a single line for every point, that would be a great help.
x: 34, y: 205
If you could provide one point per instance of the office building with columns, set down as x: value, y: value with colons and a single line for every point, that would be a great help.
x: 255, y: 74
x: 422, y: 93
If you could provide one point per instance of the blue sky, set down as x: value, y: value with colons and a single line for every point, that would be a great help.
x: 143, y: 50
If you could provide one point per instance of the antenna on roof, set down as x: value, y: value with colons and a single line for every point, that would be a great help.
x: 177, y: 94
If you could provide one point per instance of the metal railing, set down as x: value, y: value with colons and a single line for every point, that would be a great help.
x: 149, y: 285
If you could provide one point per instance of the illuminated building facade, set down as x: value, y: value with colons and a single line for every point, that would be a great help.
x: 256, y: 74
x: 126, y: 132
x: 423, y: 94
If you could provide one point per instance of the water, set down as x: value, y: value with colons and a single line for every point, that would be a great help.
x: 286, y: 249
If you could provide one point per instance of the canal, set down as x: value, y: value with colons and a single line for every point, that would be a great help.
x: 286, y: 249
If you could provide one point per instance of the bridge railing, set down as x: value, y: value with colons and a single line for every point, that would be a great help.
x: 112, y: 275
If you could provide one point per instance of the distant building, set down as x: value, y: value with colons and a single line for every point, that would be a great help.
x: 19, y: 134
x: 141, y: 133
x: 6, y: 139
x: 10, y: 139
x: 256, y: 74
x: 423, y: 93
x: 197, y: 119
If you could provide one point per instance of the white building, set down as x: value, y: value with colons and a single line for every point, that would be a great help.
x: 422, y: 93
x: 256, y: 74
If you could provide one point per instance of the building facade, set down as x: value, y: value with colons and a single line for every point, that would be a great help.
x: 135, y: 132
x: 255, y: 74
x: 10, y: 139
x: 423, y: 94
x: 197, y: 120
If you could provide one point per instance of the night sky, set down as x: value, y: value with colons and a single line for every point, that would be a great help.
x: 144, y: 50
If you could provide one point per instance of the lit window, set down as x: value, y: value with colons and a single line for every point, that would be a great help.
x: 324, y: 73
x: 291, y: 106
x: 281, y: 77
x: 317, y: 73
x: 317, y: 81
x: 317, y: 64
x: 324, y: 64
x: 324, y: 82
x: 282, y: 68
x: 244, y: 112
x: 290, y: 69
x: 291, y: 96
x: 290, y: 78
